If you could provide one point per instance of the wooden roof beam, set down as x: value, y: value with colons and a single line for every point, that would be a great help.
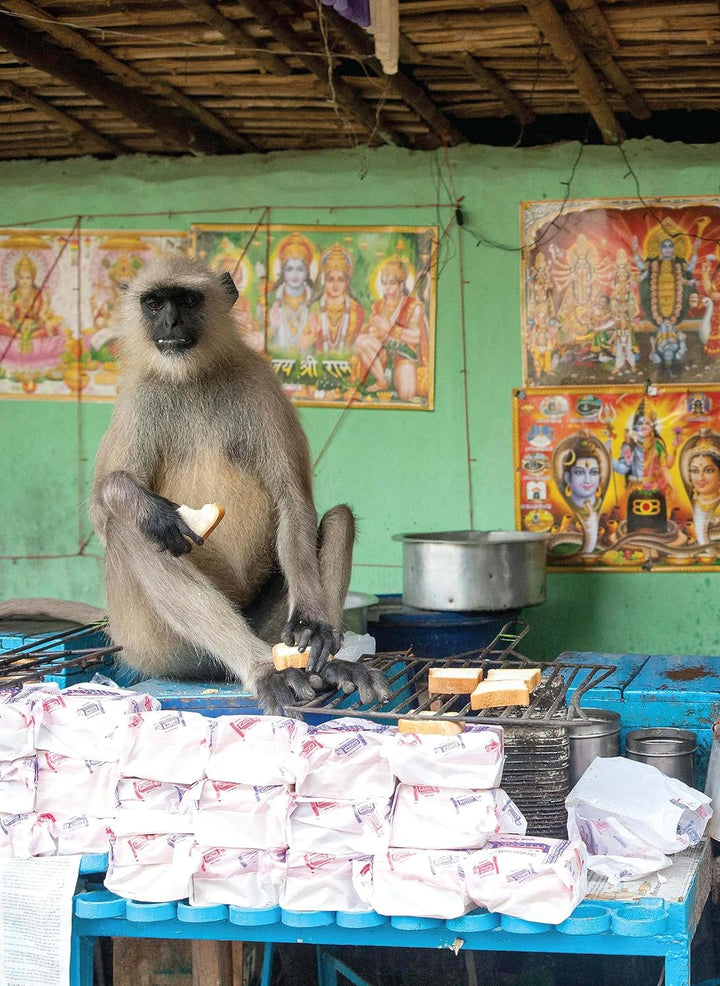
x: 402, y: 84
x: 99, y: 143
x: 70, y: 38
x: 495, y: 84
x: 552, y: 26
x: 601, y: 44
x: 318, y: 65
x: 241, y: 42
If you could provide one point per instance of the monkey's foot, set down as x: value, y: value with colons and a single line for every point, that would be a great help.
x: 276, y: 689
x: 350, y: 675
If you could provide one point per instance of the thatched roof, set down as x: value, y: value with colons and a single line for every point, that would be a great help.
x: 114, y: 77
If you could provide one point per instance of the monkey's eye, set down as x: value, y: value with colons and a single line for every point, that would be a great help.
x: 154, y: 302
x: 191, y: 299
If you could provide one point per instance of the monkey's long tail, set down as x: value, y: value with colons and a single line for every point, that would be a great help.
x: 48, y: 608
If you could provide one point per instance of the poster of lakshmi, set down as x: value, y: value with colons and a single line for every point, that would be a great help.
x: 621, y: 291
x: 58, y: 292
x: 620, y: 479
x: 344, y: 314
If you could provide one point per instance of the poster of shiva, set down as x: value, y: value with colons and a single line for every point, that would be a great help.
x: 618, y: 291
x: 345, y: 315
x: 620, y: 478
x: 58, y: 291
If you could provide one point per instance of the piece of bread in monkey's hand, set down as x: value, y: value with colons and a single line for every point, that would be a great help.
x: 430, y: 725
x: 285, y: 656
x: 202, y: 521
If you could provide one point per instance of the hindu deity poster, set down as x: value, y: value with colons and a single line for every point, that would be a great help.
x: 618, y: 291
x: 57, y: 294
x: 621, y: 478
x: 345, y: 315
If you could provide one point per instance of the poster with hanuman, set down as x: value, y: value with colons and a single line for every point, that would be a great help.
x: 620, y: 478
x: 344, y: 314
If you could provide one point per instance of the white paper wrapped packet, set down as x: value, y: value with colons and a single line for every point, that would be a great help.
x: 346, y: 758
x: 623, y: 807
x: 78, y: 834
x: 415, y: 882
x: 528, y: 877
x: 74, y: 724
x: 321, y: 882
x: 168, y: 746
x: 18, y: 726
x: 243, y: 877
x: 69, y: 786
x: 340, y: 828
x: 253, y: 749
x: 28, y: 834
x: 143, y: 805
x: 427, y: 817
x: 152, y: 868
x: 238, y: 815
x: 471, y: 759
x: 18, y: 781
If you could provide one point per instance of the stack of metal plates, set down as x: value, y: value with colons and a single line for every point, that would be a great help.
x: 536, y: 776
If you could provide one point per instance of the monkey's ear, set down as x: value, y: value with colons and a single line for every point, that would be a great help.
x: 228, y: 286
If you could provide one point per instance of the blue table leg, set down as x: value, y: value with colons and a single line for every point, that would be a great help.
x: 677, y: 964
x: 266, y: 974
x: 82, y: 952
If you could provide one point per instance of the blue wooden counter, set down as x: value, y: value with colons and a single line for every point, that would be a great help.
x: 627, y: 921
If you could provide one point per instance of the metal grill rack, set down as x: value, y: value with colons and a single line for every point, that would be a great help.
x: 536, y: 772
x: 54, y: 656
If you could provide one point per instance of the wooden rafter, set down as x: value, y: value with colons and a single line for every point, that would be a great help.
x: 72, y: 39
x: 318, y: 65
x: 239, y: 39
x: 401, y: 83
x: 495, y: 84
x: 602, y: 46
x: 97, y: 142
x: 552, y: 26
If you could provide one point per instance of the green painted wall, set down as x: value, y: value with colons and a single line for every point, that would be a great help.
x: 400, y: 470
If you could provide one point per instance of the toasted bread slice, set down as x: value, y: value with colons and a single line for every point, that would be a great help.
x: 453, y: 681
x: 496, y: 694
x: 428, y: 725
x: 529, y: 676
x: 202, y: 521
x: 291, y: 657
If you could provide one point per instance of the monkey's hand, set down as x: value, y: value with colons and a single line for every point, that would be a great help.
x: 277, y: 689
x: 350, y: 675
x: 163, y: 525
x: 319, y: 637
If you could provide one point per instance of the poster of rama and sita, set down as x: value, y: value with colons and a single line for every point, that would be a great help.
x: 621, y: 478
x: 618, y: 291
x: 345, y: 315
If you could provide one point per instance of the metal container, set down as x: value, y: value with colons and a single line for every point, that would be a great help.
x: 490, y: 571
x: 597, y: 736
x: 355, y: 610
x: 670, y: 750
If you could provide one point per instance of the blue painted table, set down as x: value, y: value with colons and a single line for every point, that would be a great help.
x: 681, y: 691
x: 654, y: 919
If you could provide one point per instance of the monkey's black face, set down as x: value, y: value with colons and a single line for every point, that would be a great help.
x: 174, y: 317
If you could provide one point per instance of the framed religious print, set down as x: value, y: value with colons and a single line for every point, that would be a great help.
x: 345, y: 315
x: 58, y: 291
x: 620, y: 479
x: 615, y: 291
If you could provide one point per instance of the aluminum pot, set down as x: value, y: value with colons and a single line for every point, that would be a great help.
x: 670, y: 750
x: 473, y: 570
x: 596, y: 736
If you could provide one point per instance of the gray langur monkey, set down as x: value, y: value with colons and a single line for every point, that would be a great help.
x: 202, y: 418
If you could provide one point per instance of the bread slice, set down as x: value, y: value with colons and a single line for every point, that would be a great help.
x: 529, y: 676
x: 453, y: 681
x: 496, y: 694
x: 426, y: 725
x: 202, y: 521
x: 291, y: 657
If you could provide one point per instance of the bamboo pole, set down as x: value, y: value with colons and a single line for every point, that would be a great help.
x: 237, y: 37
x: 548, y: 20
x: 494, y: 83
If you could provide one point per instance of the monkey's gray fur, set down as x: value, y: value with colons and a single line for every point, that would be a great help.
x: 208, y: 422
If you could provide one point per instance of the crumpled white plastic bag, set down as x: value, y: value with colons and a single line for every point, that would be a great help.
x: 630, y: 816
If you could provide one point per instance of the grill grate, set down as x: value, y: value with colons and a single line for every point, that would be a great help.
x: 53, y: 655
x: 407, y: 676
